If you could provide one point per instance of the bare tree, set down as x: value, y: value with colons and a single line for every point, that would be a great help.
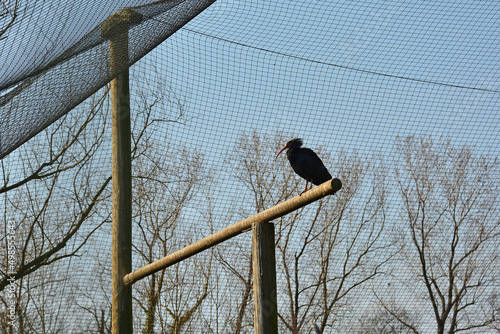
x: 450, y: 207
x: 9, y: 10
x: 56, y: 187
x: 163, y: 190
x: 252, y: 164
x: 38, y: 178
x: 166, y: 180
x: 324, y: 251
x: 381, y: 321
x: 340, y: 245
x: 352, y: 248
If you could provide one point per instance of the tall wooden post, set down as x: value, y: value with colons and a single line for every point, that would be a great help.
x: 121, y: 256
x: 115, y: 28
x: 264, y: 279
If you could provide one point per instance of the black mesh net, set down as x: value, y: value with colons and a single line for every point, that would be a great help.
x: 69, y: 62
x: 399, y: 99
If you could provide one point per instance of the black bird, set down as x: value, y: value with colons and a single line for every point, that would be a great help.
x: 305, y: 163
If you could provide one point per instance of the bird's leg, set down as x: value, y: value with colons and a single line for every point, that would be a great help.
x: 305, y: 189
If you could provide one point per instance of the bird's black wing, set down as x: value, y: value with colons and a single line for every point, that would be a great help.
x: 308, y: 165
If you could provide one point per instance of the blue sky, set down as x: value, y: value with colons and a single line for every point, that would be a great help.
x: 340, y: 74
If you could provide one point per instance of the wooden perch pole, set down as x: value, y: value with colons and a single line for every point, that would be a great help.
x: 115, y: 29
x: 327, y: 188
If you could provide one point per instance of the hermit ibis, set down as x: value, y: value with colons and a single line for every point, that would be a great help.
x: 305, y: 163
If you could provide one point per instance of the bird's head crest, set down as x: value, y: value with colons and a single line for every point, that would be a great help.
x: 296, y: 142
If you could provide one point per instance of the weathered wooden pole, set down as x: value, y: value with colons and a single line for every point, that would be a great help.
x: 325, y: 189
x: 264, y: 279
x: 115, y: 29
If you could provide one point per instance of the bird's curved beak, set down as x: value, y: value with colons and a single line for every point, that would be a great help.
x: 284, y: 148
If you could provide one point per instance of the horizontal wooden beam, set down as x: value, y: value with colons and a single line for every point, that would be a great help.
x: 325, y: 189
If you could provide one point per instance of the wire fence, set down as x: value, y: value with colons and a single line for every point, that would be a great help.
x: 399, y: 99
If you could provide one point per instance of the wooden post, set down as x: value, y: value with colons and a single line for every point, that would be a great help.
x: 121, y: 254
x: 115, y: 28
x: 264, y: 279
